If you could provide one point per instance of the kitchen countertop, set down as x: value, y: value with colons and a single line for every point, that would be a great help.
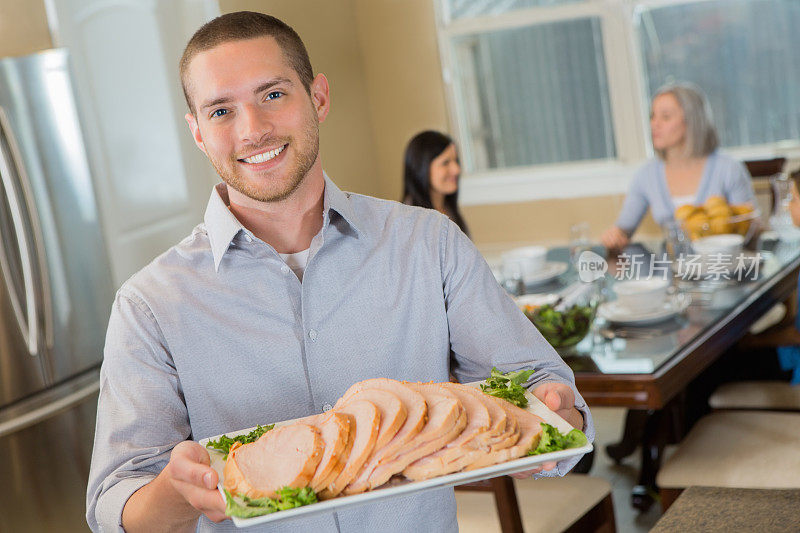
x: 710, y: 509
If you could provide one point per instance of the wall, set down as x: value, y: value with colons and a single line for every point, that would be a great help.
x: 23, y: 27
x: 407, y: 94
x: 404, y: 79
x: 328, y: 31
x: 382, y: 60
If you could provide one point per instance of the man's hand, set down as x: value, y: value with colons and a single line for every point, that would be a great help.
x: 559, y: 398
x: 175, y: 499
x: 190, y: 473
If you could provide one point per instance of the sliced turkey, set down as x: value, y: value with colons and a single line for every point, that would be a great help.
x: 335, y: 431
x: 284, y: 457
x: 530, y: 430
x: 393, y: 411
x: 479, y: 428
x: 366, y: 421
x: 417, y: 415
x: 447, y: 418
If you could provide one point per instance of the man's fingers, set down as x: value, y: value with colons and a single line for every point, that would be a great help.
x: 555, y: 396
x: 191, y: 451
x: 207, y: 501
x: 553, y: 400
x: 187, y: 465
x: 197, y: 474
x: 526, y: 474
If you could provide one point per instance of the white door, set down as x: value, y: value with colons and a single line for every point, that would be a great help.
x: 152, y: 182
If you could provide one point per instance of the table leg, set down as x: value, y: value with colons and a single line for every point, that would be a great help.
x: 635, y: 421
x: 505, y: 498
x: 653, y: 440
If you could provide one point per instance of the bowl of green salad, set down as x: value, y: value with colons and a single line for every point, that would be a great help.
x: 563, y: 327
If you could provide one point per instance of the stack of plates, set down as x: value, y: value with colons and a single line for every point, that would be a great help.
x: 617, y: 314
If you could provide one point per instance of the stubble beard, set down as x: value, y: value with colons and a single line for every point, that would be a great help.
x: 270, y: 189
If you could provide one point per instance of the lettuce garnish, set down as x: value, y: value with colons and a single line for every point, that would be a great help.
x: 552, y: 440
x: 508, y: 386
x: 224, y: 443
x: 288, y: 498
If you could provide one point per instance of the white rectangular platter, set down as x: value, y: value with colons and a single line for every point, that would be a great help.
x: 397, y: 488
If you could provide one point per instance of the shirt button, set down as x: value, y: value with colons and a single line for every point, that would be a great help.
x: 248, y: 238
x: 312, y: 334
x: 285, y: 269
x: 327, y: 407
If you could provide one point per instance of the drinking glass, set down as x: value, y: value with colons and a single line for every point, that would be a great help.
x: 579, y: 241
x: 677, y: 245
x: 512, y: 278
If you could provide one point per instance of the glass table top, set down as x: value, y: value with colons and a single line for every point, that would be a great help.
x: 642, y: 349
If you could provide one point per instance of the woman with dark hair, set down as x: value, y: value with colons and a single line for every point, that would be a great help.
x: 431, y: 174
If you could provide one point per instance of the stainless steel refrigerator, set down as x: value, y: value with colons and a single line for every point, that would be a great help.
x: 55, y: 296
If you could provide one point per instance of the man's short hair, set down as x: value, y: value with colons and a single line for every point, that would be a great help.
x: 241, y: 26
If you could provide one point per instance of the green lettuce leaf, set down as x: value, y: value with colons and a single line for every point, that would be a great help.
x: 224, y: 443
x: 508, y: 386
x: 288, y: 498
x: 552, y: 440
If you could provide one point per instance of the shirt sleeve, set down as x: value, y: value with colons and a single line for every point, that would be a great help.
x: 739, y: 188
x: 635, y: 205
x: 488, y: 330
x: 141, y: 414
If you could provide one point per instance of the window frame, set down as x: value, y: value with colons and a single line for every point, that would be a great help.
x: 629, y: 104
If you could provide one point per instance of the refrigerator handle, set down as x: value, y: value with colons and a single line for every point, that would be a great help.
x: 49, y: 403
x: 30, y: 327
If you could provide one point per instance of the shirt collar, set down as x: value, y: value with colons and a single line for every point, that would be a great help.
x: 222, y: 226
x: 339, y: 201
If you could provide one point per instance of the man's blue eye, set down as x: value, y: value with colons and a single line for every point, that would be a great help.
x: 219, y: 112
x: 274, y: 94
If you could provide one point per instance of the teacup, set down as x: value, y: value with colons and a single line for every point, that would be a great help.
x: 524, y: 263
x: 641, y: 295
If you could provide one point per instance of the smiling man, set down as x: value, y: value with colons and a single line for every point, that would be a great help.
x: 288, y: 293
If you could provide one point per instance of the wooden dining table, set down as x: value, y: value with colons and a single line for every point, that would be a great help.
x: 648, y: 368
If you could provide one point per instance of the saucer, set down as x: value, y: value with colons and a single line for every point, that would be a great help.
x: 548, y: 272
x: 617, y: 314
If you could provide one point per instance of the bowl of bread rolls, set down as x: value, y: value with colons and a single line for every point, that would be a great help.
x: 716, y: 221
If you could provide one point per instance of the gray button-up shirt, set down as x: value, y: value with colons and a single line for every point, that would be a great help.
x: 217, y: 335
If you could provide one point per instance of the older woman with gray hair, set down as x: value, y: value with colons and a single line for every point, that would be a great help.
x: 689, y: 167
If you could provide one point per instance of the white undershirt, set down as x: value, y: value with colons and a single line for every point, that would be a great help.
x: 297, y: 262
x: 678, y: 201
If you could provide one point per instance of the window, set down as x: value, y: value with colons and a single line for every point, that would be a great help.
x: 741, y: 52
x: 547, y: 90
x: 550, y: 108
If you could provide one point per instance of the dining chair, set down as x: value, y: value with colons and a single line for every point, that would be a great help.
x: 767, y: 394
x: 747, y: 449
x: 575, y: 503
x: 765, y: 167
x: 764, y: 395
x: 775, y: 395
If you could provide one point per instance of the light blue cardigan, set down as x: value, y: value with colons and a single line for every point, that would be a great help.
x: 722, y: 176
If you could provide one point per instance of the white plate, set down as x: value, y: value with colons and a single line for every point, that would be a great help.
x: 550, y: 271
x: 397, y: 487
x: 617, y: 314
x: 536, y: 299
